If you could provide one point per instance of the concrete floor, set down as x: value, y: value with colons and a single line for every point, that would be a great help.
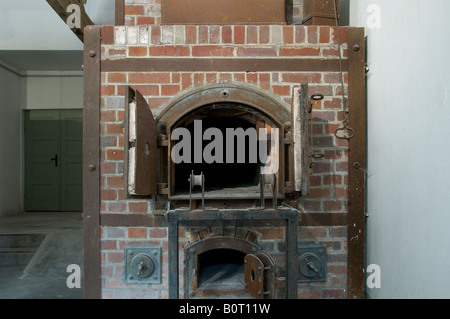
x: 42, y: 275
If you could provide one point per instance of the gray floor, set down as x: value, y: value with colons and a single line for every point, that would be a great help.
x: 35, y: 251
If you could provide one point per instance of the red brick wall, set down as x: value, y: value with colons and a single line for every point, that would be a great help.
x: 328, y: 191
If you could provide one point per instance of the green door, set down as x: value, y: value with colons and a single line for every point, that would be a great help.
x: 53, y: 159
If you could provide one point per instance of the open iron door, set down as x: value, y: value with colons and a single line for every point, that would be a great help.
x: 261, y: 276
x: 140, y: 146
x: 301, y: 126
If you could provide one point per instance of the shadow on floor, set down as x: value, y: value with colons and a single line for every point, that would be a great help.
x: 35, y: 251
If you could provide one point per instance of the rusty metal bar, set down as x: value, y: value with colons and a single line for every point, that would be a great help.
x: 120, y: 12
x: 139, y: 220
x: 61, y: 6
x: 291, y: 256
x: 181, y: 217
x: 91, y: 163
x: 357, y: 154
x: 174, y: 285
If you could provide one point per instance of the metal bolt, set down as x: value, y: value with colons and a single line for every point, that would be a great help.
x: 92, y: 167
x: 92, y: 53
x: 356, y: 48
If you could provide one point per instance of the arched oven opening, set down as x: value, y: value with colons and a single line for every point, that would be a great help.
x: 231, y: 159
x: 215, y: 267
x: 221, y: 269
x: 224, y: 266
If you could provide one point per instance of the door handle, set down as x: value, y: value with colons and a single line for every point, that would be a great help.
x: 55, y: 159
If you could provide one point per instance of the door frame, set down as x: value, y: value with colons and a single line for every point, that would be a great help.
x: 23, y: 148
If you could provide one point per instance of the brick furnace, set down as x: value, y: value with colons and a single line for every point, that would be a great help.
x: 217, y: 223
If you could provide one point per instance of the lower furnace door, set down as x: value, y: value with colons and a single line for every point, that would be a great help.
x: 261, y: 276
x: 273, y: 285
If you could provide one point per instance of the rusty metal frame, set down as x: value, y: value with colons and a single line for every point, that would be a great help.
x: 216, y: 217
x: 357, y: 163
x: 120, y: 12
x: 91, y: 162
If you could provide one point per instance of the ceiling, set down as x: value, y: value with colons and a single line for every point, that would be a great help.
x: 29, y: 60
x: 34, y: 38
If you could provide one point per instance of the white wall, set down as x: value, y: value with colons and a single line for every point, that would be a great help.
x: 10, y: 143
x: 408, y: 231
x: 53, y: 90
x: 34, y: 25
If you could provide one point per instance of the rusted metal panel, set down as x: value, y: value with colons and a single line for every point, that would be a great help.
x: 223, y: 12
x: 320, y: 12
x: 357, y: 162
x: 261, y: 276
x: 140, y: 146
x: 91, y: 163
x: 254, y: 276
x: 223, y: 65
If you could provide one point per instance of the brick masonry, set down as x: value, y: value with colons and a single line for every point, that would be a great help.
x: 329, y: 179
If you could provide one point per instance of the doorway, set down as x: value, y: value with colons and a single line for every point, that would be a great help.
x: 53, y: 160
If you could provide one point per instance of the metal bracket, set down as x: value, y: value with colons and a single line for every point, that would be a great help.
x: 196, y: 180
x: 142, y: 265
x: 311, y: 262
x: 272, y: 180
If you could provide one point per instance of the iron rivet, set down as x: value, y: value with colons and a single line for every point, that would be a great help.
x: 92, y: 53
x: 356, y: 48
x: 92, y: 167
